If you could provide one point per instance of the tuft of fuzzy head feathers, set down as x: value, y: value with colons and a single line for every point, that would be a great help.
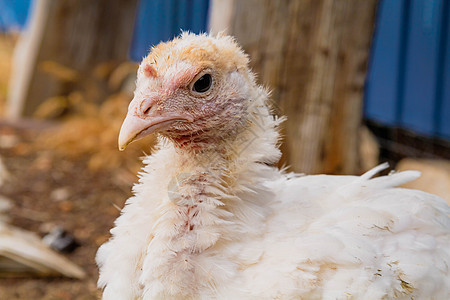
x: 221, y: 53
x: 211, y: 218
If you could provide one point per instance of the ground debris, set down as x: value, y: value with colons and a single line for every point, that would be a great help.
x: 23, y: 253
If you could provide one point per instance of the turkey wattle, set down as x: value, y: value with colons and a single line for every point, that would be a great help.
x: 211, y: 218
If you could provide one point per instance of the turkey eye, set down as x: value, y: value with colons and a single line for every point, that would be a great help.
x: 202, y: 84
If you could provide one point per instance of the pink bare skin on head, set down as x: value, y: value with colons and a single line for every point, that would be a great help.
x: 149, y: 71
x: 183, y: 78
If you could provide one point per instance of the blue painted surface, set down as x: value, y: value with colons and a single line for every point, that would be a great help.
x: 421, y: 66
x: 409, y: 75
x: 443, y: 110
x: 13, y: 14
x: 161, y: 20
x: 381, y: 92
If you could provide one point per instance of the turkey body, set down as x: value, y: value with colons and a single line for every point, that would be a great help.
x: 315, y: 237
x: 220, y: 222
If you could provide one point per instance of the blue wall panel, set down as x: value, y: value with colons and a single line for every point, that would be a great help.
x: 161, y: 20
x: 443, y: 111
x: 381, y: 93
x: 199, y: 15
x: 13, y: 14
x: 408, y: 81
x: 421, y: 67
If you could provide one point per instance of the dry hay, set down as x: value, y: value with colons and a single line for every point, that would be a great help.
x: 88, y: 128
x: 92, y: 132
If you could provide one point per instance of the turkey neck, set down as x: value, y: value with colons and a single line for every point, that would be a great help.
x: 213, y: 197
x: 207, y: 185
x: 203, y: 191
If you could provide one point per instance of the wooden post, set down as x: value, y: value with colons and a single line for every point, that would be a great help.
x: 65, y: 41
x: 313, y: 56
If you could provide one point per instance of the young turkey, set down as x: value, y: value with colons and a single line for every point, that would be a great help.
x: 211, y: 218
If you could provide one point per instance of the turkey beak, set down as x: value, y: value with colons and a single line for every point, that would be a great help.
x: 131, y: 127
x: 138, y: 125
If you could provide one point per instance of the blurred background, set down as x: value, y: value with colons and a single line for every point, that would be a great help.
x: 361, y: 82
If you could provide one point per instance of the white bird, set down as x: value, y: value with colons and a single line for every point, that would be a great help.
x: 211, y: 218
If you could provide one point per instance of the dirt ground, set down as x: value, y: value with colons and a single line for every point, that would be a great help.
x: 87, y: 210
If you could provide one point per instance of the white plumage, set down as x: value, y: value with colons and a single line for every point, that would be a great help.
x: 211, y: 218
